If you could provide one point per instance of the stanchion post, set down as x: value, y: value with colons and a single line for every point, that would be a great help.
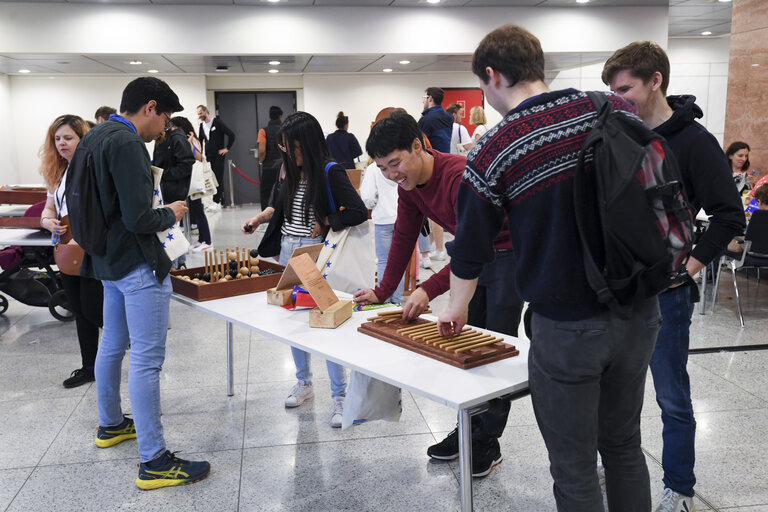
x: 231, y: 184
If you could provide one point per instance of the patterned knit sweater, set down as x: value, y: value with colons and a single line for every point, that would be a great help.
x: 523, y: 168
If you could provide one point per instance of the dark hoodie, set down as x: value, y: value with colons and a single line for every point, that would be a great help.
x: 706, y: 176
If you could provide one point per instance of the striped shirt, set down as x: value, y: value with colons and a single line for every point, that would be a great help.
x: 299, y: 225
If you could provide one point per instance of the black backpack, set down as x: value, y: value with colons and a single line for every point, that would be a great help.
x: 647, y: 228
x: 86, y: 217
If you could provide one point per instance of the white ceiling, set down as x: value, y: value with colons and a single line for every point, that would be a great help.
x: 687, y: 18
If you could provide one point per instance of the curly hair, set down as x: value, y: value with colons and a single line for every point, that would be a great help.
x: 52, y: 165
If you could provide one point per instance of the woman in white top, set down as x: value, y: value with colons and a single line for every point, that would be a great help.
x: 85, y: 296
x: 477, y: 118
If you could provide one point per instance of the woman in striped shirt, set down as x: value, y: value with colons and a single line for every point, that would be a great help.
x: 301, y: 215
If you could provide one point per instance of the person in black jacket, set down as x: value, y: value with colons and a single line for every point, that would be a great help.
x: 212, y: 134
x: 269, y: 155
x: 302, y: 216
x: 639, y: 73
x: 173, y: 154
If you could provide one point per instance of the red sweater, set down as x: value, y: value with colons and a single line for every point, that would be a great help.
x: 436, y: 200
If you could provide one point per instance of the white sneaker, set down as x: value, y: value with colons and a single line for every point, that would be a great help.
x: 672, y: 501
x: 201, y: 247
x: 426, y: 262
x: 299, y: 394
x: 338, y: 410
x: 213, y: 207
x: 438, y: 255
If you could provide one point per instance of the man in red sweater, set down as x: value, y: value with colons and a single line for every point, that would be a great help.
x: 428, y: 187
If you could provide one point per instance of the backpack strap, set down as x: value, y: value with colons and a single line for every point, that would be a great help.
x: 331, y: 202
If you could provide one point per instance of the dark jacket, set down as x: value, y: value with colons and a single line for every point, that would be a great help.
x: 218, y: 131
x: 706, y: 176
x: 437, y: 125
x: 344, y: 148
x: 124, y: 180
x: 344, y: 194
x: 273, y: 157
x: 175, y: 157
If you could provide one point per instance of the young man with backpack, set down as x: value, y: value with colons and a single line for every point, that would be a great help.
x: 134, y: 271
x: 587, y: 365
x: 639, y: 73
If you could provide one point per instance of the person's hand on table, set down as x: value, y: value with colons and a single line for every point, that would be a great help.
x: 451, y: 320
x: 365, y: 296
x: 417, y: 303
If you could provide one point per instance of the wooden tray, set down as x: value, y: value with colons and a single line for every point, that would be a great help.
x: 221, y: 289
x: 465, y: 360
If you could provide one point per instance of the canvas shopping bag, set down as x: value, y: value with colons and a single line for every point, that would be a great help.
x: 172, y: 238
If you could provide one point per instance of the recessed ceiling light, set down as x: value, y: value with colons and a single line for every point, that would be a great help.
x: 273, y: 1
x: 706, y: 33
x: 433, y: 1
x: 387, y: 70
x: 404, y: 62
x: 724, y: 1
x: 582, y: 1
x: 135, y: 63
x: 24, y: 71
x: 152, y: 71
x: 274, y: 63
x: 274, y: 71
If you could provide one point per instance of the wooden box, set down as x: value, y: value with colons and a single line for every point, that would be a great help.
x: 333, y: 316
x: 221, y: 289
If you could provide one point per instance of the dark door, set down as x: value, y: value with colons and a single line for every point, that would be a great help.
x: 245, y: 113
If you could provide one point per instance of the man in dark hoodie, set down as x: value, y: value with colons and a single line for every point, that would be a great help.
x: 639, y: 73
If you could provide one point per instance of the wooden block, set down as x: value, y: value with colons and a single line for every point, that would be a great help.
x: 279, y: 297
x: 332, y: 317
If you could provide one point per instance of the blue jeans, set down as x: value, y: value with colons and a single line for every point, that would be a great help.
x: 587, y: 380
x: 302, y: 359
x: 383, y: 242
x: 424, y: 245
x: 673, y: 390
x: 136, y: 311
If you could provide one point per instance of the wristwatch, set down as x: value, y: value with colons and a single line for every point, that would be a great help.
x: 679, y: 276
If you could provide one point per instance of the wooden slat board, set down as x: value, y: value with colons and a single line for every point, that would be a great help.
x: 387, y: 331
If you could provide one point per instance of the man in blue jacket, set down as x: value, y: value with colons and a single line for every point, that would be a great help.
x: 639, y: 73
x: 435, y: 122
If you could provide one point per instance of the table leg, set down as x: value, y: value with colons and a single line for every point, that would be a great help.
x: 230, y: 370
x: 465, y: 459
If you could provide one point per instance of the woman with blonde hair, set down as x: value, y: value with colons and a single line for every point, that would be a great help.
x: 85, y: 296
x: 477, y: 117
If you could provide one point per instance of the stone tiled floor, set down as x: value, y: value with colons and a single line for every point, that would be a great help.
x: 268, y: 458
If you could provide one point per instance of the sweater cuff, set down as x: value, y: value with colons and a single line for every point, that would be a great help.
x: 465, y: 269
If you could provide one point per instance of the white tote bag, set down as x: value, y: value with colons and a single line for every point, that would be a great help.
x: 348, y: 258
x: 370, y: 399
x: 172, y: 238
x: 203, y: 182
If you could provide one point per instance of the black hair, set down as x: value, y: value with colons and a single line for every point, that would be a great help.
x: 393, y: 133
x: 341, y: 120
x: 437, y: 94
x: 733, y: 148
x: 183, y: 123
x: 303, y: 128
x: 275, y: 112
x: 144, y: 89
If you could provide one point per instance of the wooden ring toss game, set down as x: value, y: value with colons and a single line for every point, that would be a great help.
x: 468, y: 349
x: 226, y: 274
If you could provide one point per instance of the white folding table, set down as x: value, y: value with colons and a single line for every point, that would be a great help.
x: 467, y: 391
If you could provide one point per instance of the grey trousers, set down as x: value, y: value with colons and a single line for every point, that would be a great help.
x: 587, y: 380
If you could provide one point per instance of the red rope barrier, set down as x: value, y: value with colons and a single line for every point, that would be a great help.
x: 244, y: 176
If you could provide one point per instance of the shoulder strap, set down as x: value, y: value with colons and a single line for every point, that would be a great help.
x: 331, y: 202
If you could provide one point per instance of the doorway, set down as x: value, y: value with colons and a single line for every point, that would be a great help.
x: 246, y: 113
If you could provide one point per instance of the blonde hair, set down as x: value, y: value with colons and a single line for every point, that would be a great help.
x: 52, y: 164
x: 477, y: 115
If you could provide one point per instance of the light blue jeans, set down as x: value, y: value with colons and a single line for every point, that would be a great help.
x: 424, y: 244
x: 383, y: 242
x: 302, y: 359
x: 136, y: 311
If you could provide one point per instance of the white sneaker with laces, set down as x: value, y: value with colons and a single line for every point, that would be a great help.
x: 299, y: 394
x: 438, y: 255
x: 672, y: 501
x: 425, y: 262
x: 338, y: 411
x: 201, y: 247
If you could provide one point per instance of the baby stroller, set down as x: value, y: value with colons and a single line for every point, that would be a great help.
x: 27, y: 276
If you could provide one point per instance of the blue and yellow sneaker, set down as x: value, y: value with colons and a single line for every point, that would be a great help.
x: 167, y: 470
x: 110, y: 436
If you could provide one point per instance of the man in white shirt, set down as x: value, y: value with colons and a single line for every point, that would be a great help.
x: 460, y: 139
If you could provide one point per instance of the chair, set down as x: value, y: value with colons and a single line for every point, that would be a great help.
x: 754, y: 254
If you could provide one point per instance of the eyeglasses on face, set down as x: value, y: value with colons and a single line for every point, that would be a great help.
x: 168, y: 123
